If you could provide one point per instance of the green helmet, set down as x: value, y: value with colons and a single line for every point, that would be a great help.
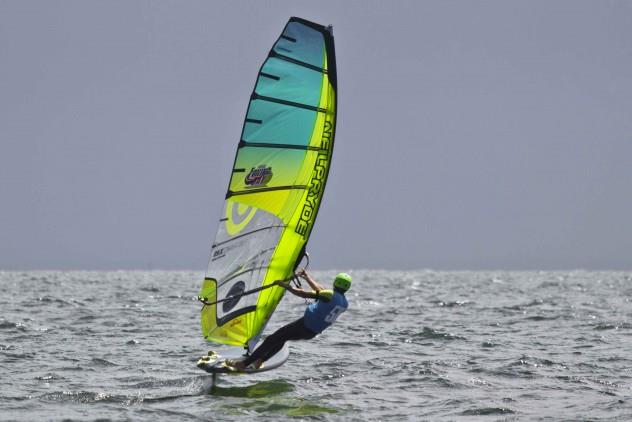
x: 342, y: 282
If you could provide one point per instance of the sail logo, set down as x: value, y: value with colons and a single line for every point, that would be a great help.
x: 218, y: 253
x: 233, y: 296
x: 316, y: 183
x: 258, y: 176
x: 238, y: 216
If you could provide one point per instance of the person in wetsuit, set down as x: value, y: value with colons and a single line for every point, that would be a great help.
x: 317, y: 317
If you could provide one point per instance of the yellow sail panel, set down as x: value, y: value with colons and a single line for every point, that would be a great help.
x: 234, y: 334
x: 277, y: 184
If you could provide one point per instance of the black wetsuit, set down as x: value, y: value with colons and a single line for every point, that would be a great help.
x: 273, y: 343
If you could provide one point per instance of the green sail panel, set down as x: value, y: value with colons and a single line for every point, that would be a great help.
x: 277, y: 183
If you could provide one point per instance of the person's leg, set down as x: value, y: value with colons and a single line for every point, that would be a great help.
x: 273, y: 343
x: 297, y: 331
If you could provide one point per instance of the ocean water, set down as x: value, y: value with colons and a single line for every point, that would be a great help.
x: 462, y: 346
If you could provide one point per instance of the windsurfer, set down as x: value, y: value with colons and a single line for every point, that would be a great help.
x: 317, y: 317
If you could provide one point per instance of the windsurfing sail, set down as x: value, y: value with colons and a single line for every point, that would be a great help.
x: 277, y: 184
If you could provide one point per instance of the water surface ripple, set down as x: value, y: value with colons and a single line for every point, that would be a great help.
x: 418, y: 345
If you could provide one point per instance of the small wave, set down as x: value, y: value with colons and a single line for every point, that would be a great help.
x: 102, y: 362
x: 547, y: 284
x: 522, y: 306
x: 513, y: 372
x: 431, y: 333
x: 379, y: 343
x: 83, y: 397
x: 79, y: 367
x: 17, y: 357
x: 452, y: 304
x: 347, y: 344
x: 620, y: 326
x: 526, y: 367
x: 607, y: 383
x: 543, y: 317
x: 53, y: 300
x: 571, y: 379
x: 532, y: 361
x: 488, y: 411
x: 14, y: 398
x: 178, y: 382
x: 8, y: 325
x: 613, y: 359
x: 49, y: 377
x: 480, y: 382
x: 86, y: 318
x: 445, y: 382
x: 597, y: 384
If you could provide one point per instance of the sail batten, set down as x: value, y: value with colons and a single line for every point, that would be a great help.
x: 277, y: 183
x: 256, y: 96
x: 245, y: 144
x: 263, y: 190
x: 297, y: 62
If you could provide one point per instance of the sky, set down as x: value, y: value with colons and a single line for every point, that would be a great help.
x: 471, y: 135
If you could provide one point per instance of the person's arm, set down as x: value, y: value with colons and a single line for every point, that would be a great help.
x: 312, y: 283
x: 298, y: 292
